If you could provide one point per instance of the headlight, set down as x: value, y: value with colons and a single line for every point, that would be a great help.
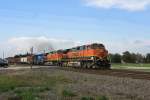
x: 92, y: 58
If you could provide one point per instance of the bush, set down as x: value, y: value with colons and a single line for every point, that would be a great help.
x: 26, y: 94
x: 87, y: 98
x: 98, y: 98
x: 29, y: 93
x: 68, y: 93
x: 103, y: 98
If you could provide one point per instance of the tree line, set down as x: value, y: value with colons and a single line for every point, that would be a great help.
x: 128, y: 57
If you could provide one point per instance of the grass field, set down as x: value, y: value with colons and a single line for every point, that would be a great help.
x: 140, y: 67
x: 130, y: 65
x: 38, y: 85
x: 55, y: 84
x: 29, y: 86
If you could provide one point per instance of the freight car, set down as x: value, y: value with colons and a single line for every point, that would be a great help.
x: 20, y: 59
x: 26, y: 59
x: 10, y: 60
x: 39, y: 59
x: 17, y: 59
x: 86, y: 56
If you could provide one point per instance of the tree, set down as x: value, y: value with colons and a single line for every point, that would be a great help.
x: 139, y: 58
x: 115, y: 58
x: 147, y: 58
x: 128, y: 57
x: 133, y: 58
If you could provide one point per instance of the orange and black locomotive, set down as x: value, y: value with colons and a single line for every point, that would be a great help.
x: 86, y: 56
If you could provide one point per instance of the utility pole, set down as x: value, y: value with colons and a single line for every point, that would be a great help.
x: 31, y: 62
x: 3, y: 55
x: 44, y: 51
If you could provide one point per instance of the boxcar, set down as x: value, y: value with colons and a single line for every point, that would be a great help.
x: 39, y: 59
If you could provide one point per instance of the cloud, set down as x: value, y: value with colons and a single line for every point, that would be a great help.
x: 130, y: 5
x: 145, y: 43
x: 136, y: 46
x: 22, y: 45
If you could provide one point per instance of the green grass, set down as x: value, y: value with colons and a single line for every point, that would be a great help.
x: 87, y: 98
x: 130, y: 65
x: 97, y: 98
x: 102, y: 98
x: 31, y: 85
x: 27, y: 86
x: 30, y: 93
x: 68, y: 93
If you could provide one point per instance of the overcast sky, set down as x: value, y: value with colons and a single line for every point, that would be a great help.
x: 54, y: 24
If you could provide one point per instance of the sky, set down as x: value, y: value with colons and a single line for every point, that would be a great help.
x: 120, y: 25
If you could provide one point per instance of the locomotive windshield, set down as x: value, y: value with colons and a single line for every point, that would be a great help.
x: 97, y: 46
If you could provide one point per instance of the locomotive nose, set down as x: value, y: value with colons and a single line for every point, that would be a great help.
x: 101, y: 53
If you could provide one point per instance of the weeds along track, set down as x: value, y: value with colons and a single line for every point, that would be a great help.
x: 112, y: 72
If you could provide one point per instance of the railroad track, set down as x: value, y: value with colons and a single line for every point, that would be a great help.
x: 112, y: 72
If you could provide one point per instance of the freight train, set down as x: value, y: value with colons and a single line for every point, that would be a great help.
x: 86, y: 56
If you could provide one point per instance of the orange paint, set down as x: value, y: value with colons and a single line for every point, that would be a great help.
x: 53, y: 57
x: 99, y: 52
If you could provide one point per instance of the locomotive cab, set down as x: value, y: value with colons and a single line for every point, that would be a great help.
x: 98, y: 55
